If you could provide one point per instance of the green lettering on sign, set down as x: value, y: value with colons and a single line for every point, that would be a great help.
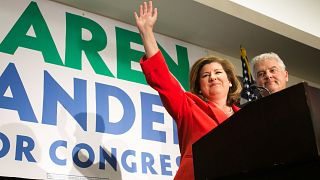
x: 75, y: 44
x: 43, y: 42
x: 126, y: 55
x: 180, y: 70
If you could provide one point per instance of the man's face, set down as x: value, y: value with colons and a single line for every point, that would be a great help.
x: 270, y: 75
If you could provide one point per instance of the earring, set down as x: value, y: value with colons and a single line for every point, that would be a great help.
x: 200, y: 92
x: 230, y: 85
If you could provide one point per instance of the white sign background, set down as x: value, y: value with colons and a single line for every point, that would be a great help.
x: 31, y: 66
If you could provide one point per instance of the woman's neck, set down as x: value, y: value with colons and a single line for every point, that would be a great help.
x: 222, y: 105
x: 221, y: 102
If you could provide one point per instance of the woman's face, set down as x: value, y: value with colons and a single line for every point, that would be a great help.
x: 214, y: 81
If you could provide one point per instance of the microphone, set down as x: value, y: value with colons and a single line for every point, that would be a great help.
x: 260, y: 91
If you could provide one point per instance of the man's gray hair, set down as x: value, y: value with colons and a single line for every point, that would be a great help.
x: 266, y: 56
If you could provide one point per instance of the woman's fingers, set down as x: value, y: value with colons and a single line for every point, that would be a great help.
x: 145, y: 8
x: 150, y: 8
x: 140, y: 10
x: 135, y: 15
x: 155, y: 13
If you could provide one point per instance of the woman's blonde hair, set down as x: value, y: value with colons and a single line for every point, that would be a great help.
x: 194, y: 79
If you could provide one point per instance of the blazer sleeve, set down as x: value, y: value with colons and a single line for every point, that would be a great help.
x: 159, y: 77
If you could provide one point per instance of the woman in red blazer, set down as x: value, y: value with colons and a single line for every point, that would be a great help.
x: 213, y: 84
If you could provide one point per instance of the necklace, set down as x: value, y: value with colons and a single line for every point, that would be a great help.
x: 228, y: 112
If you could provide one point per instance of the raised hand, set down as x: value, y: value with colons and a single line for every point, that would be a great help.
x: 147, y: 17
x: 145, y: 22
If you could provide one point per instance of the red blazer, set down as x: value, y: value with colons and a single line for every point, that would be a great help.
x: 194, y: 117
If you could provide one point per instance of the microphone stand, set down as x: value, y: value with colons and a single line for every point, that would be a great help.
x: 260, y: 91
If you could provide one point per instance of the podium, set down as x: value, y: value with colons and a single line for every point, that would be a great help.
x: 275, y: 137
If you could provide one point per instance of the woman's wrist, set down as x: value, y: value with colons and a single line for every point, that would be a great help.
x: 150, y: 43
